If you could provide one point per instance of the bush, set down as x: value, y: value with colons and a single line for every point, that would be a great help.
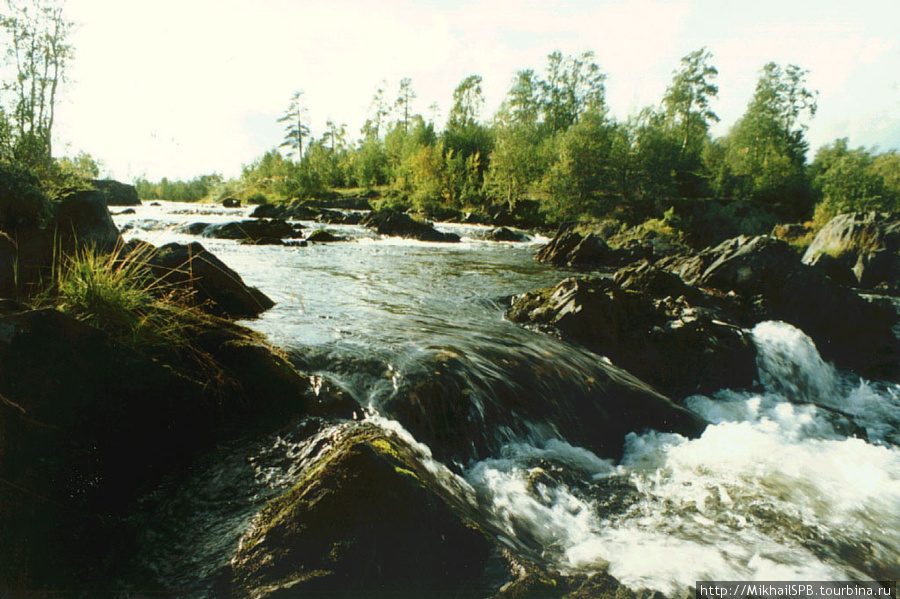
x: 23, y: 203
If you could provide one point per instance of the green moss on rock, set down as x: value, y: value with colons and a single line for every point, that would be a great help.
x: 365, y: 516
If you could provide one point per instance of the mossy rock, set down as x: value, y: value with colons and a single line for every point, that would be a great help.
x: 366, y: 516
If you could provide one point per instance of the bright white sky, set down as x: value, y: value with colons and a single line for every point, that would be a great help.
x: 180, y: 88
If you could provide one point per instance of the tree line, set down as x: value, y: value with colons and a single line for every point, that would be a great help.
x: 554, y: 143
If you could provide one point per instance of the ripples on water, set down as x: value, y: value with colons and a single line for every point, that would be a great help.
x: 799, y: 479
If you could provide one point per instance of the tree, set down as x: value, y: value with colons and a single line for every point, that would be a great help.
x: 686, y: 102
x: 574, y: 86
x: 379, y: 110
x: 468, y: 101
x: 765, y: 151
x: 849, y: 180
x: 295, y: 129
x: 335, y: 135
x: 404, y: 98
x: 39, y: 51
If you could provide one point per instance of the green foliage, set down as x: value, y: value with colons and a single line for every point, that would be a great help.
x: 579, y: 180
x: 854, y: 180
x: 369, y: 164
x: 83, y: 165
x: 765, y: 152
x: 118, y: 295
x: 38, y: 51
x: 197, y: 189
x: 23, y: 203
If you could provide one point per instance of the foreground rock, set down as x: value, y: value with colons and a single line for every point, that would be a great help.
x: 852, y: 332
x: 366, y: 516
x: 552, y: 585
x: 456, y: 404
x: 86, y: 423
x: 860, y: 250
x: 116, y: 193
x: 397, y: 224
x: 216, y: 287
x: 653, y: 325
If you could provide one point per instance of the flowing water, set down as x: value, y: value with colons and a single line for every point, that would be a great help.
x: 797, y: 479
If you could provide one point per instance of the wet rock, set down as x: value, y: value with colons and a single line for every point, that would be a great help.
x: 649, y: 328
x: 768, y: 273
x: 552, y: 585
x: 398, y: 224
x: 123, y: 212
x: 293, y: 210
x: 252, y: 230
x: 570, y: 248
x: 865, y: 244
x: 116, y: 193
x: 507, y: 234
x: 457, y: 404
x: 366, y: 516
x: 87, y: 422
x: 194, y: 228
x: 323, y: 236
x: 336, y: 217
x: 216, y: 287
x: 231, y: 203
x: 83, y: 220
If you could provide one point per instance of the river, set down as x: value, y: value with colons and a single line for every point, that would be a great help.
x: 798, y: 479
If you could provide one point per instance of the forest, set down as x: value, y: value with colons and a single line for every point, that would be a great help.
x: 554, y: 148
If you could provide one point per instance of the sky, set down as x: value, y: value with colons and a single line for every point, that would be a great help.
x: 180, y: 88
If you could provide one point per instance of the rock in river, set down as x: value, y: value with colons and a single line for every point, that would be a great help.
x: 366, y: 516
x: 397, y: 224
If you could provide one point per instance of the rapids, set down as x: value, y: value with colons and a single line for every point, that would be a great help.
x: 797, y: 478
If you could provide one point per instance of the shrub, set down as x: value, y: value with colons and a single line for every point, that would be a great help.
x: 23, y: 204
x: 116, y: 293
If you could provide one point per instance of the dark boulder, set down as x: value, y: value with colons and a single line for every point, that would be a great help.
x: 366, y: 516
x: 116, y: 193
x: 293, y: 210
x: 216, y: 287
x: 251, y: 230
x: 87, y: 423
x: 194, y: 228
x: 679, y: 346
x: 553, y: 585
x: 336, y: 217
x: 849, y: 330
x: 506, y: 234
x: 323, y: 236
x: 231, y: 203
x: 455, y: 403
x: 83, y: 220
x: 865, y: 244
x: 397, y: 224
x: 570, y: 248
